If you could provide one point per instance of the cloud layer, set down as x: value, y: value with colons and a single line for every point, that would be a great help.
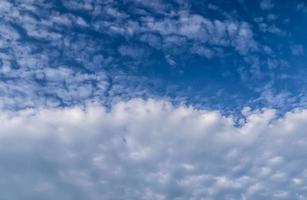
x: 65, y: 52
x: 152, y: 150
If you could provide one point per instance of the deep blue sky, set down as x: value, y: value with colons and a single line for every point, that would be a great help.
x: 153, y: 99
x: 213, y: 54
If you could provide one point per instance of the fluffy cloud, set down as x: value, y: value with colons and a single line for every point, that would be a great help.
x: 151, y: 150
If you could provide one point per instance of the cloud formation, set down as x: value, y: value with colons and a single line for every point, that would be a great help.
x: 128, y: 45
x: 151, y: 150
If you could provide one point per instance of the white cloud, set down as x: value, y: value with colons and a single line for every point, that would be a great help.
x: 151, y: 150
x: 202, y: 30
x: 35, y: 37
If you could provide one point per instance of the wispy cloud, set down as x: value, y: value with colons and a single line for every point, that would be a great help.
x: 113, y: 42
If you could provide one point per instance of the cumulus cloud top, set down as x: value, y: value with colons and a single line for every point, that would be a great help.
x: 151, y: 150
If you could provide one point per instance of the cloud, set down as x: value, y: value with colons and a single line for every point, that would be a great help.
x: 297, y: 50
x: 203, y: 31
x: 116, y: 39
x: 151, y: 150
x: 109, y: 43
x: 266, y: 4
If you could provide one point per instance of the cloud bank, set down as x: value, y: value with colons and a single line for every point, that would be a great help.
x: 151, y: 150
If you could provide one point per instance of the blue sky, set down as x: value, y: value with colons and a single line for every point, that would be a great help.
x: 220, y: 55
x: 203, y: 71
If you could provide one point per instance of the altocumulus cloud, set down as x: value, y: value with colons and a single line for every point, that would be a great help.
x: 151, y: 150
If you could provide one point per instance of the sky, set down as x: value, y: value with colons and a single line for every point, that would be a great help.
x: 160, y: 99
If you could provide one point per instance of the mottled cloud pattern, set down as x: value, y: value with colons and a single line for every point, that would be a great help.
x: 163, y: 99
x: 152, y: 150
x: 120, y: 49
